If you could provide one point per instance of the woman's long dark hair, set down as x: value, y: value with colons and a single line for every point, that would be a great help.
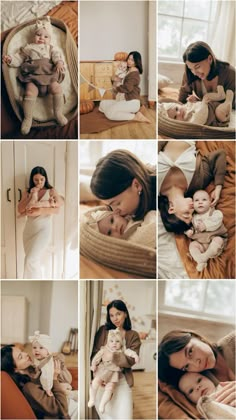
x: 120, y: 306
x: 38, y: 170
x: 115, y: 172
x: 173, y: 342
x: 171, y: 222
x: 137, y: 60
x: 8, y: 365
x: 199, y: 51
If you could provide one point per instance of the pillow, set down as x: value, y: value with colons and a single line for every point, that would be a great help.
x: 163, y: 81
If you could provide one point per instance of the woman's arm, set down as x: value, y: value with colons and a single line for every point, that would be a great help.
x: 185, y: 90
x: 129, y: 83
x: 41, y: 211
x: 58, y: 199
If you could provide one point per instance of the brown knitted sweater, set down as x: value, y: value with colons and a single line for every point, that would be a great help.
x: 226, y: 78
x: 130, y: 86
x: 172, y: 404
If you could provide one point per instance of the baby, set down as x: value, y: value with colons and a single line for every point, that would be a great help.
x: 120, y: 74
x: 200, y: 390
x: 41, y: 71
x: 105, y: 370
x: 140, y: 232
x: 202, y: 112
x: 35, y: 202
x: 44, y: 362
x: 208, y: 233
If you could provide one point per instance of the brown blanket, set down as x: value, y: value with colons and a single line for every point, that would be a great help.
x: 10, y: 125
x: 222, y: 267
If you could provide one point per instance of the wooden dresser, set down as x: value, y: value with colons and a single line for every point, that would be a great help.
x: 95, y: 75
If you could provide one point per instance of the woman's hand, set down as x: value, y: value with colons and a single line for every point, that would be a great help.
x: 57, y: 369
x: 6, y: 59
x: 34, y: 212
x: 227, y: 395
x: 192, y: 98
x: 215, y: 195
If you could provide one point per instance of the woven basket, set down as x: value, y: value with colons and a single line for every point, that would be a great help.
x: 185, y: 130
x: 116, y: 253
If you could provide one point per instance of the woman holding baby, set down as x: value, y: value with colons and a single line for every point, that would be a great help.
x: 126, y: 107
x: 186, y: 351
x: 39, y: 202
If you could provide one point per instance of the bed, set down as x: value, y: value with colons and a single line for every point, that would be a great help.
x: 222, y: 267
x: 168, y: 128
x: 67, y: 12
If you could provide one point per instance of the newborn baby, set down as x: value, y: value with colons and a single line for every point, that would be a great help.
x: 203, y: 112
x: 141, y: 231
x: 208, y: 234
x: 200, y: 390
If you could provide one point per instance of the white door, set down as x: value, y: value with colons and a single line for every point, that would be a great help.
x: 8, y: 247
x: 51, y: 156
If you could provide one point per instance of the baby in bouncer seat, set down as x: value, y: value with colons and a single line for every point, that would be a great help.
x: 41, y: 72
x: 202, y: 112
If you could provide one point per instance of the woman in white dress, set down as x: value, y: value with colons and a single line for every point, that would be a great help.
x: 39, y: 202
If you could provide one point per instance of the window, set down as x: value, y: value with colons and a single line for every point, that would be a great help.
x: 206, y: 299
x: 92, y: 151
x: 182, y: 22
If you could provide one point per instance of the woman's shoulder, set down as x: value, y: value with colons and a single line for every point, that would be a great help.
x: 132, y: 334
x: 226, y: 70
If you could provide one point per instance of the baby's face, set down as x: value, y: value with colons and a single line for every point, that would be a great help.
x: 114, y: 343
x: 177, y: 112
x: 113, y: 225
x: 42, y: 37
x: 201, y: 202
x: 39, y: 352
x: 194, y: 385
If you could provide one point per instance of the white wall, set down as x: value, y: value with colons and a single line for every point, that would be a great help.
x: 52, y: 306
x: 107, y: 27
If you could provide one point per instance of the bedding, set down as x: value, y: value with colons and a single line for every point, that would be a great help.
x: 66, y: 11
x: 168, y: 128
x: 222, y: 267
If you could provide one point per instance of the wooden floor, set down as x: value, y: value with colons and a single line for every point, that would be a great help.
x: 144, y: 395
x: 91, y: 270
x: 134, y: 130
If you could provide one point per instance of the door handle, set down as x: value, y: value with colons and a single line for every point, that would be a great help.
x: 8, y: 196
x: 20, y: 194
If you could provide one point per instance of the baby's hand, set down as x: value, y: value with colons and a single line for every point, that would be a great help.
x: 93, y: 368
x: 189, y: 233
x: 200, y: 226
x: 6, y: 59
x: 49, y: 393
x: 192, y: 98
x: 60, y: 68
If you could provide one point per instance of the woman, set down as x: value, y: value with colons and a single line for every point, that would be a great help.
x: 125, y: 184
x: 182, y: 350
x: 203, y: 73
x: 128, y: 108
x: 37, y: 231
x: 121, y: 404
x: 19, y: 366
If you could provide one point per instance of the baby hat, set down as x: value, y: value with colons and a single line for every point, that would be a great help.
x: 43, y: 339
x: 44, y: 23
x: 97, y: 216
x: 115, y: 334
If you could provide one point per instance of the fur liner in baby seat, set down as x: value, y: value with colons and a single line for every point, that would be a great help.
x: 186, y: 130
x: 70, y: 53
x: 119, y: 254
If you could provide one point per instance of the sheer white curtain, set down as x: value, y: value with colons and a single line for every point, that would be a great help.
x: 223, y: 32
x: 90, y: 313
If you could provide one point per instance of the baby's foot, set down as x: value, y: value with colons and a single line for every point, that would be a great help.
x: 49, y: 393
x: 200, y: 266
x: 26, y: 126
x: 91, y: 402
x: 101, y: 408
x: 61, y: 119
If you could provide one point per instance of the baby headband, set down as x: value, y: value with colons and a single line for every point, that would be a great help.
x: 43, y: 339
x: 97, y: 216
x: 115, y: 333
x: 44, y: 23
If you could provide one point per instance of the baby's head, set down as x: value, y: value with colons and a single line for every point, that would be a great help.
x: 175, y: 111
x: 109, y: 223
x: 114, y: 340
x: 122, y: 66
x: 194, y: 385
x: 201, y: 201
x: 43, y: 31
x: 41, y: 345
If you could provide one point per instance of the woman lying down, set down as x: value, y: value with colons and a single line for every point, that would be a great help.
x: 206, y: 112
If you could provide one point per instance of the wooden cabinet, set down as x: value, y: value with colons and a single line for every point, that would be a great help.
x: 97, y: 75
